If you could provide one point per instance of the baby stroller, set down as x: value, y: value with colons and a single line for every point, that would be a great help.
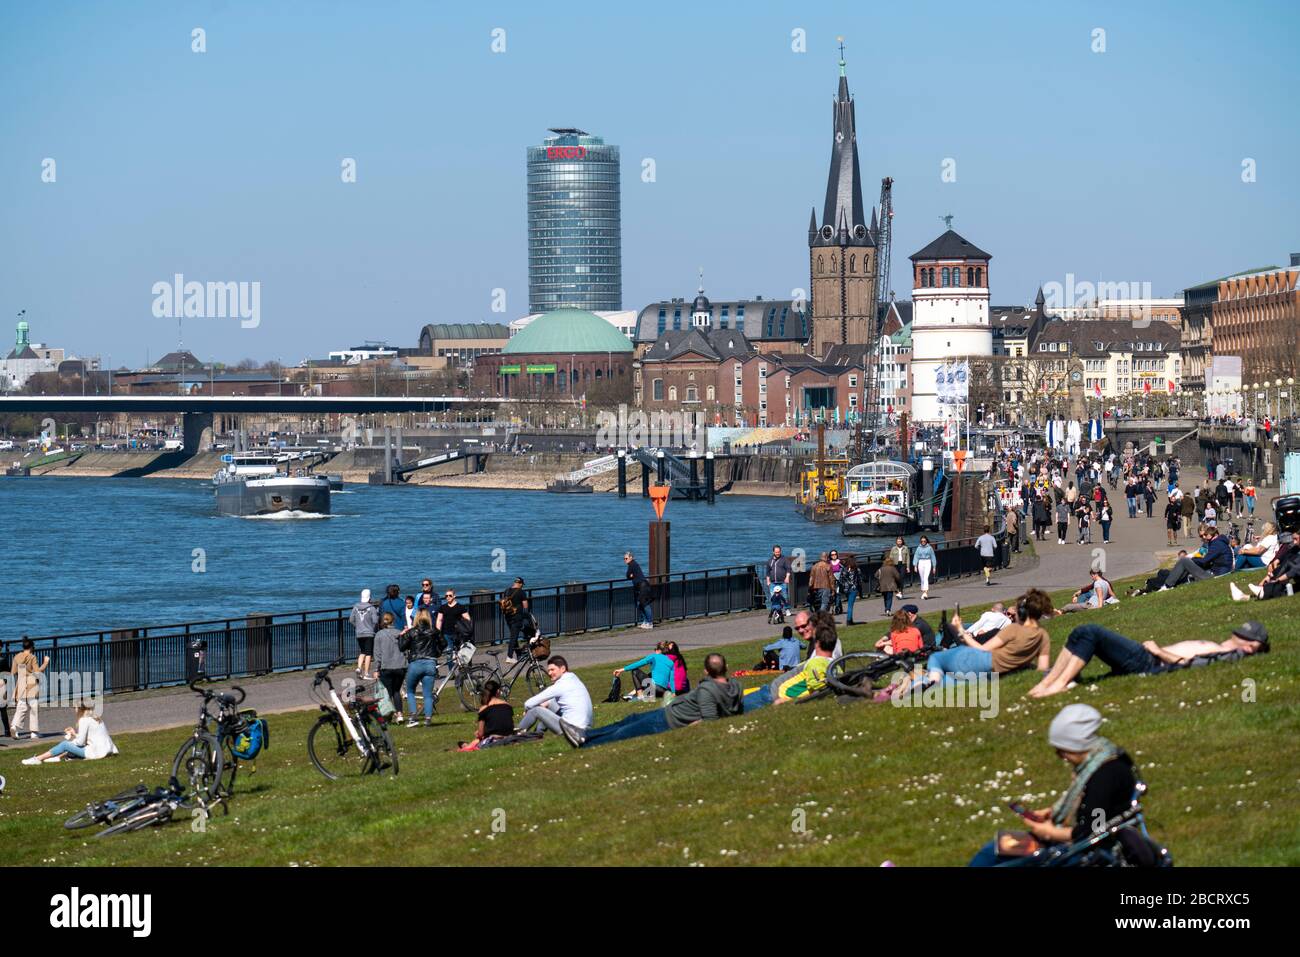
x: 778, y: 606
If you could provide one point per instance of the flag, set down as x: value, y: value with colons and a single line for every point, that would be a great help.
x: 1096, y: 388
x: 1171, y: 386
x: 1146, y: 386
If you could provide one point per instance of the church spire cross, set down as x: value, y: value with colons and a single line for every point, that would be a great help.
x: 947, y: 220
x: 841, y: 39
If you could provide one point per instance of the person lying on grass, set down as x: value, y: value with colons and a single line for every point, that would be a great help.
x: 1017, y: 645
x: 1126, y: 657
x: 809, y: 678
x: 1101, y: 788
x: 717, y: 696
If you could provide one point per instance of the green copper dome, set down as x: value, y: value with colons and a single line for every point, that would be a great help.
x: 568, y: 331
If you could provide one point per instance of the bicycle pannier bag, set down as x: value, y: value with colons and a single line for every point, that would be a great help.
x: 255, y: 736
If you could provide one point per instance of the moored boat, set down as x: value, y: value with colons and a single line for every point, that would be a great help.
x: 880, y: 499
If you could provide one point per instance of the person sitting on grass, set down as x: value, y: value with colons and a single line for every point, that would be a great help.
x: 783, y: 653
x: 1282, y: 573
x: 1260, y: 554
x: 496, y: 718
x: 796, y: 684
x: 920, y: 624
x: 1087, y: 599
x: 1126, y: 657
x: 660, y: 679
x: 88, y: 741
x: 1101, y: 787
x: 563, y: 708
x: 717, y: 696
x: 903, y: 636
x: 1018, y: 645
x: 681, y: 675
x: 1216, y: 559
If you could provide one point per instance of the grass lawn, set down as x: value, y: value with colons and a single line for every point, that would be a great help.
x: 1219, y: 747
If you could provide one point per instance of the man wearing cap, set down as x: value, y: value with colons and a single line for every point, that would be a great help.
x: 1101, y: 789
x: 921, y: 625
x: 1126, y: 657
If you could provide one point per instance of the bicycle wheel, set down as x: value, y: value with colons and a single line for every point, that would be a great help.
x: 108, y: 809
x: 159, y: 812
x: 536, y: 678
x: 469, y: 685
x: 856, y: 672
x: 385, y: 754
x: 333, y: 751
x: 198, y: 768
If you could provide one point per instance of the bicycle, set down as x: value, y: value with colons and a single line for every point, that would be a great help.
x: 206, y: 763
x: 130, y: 810
x: 468, y: 677
x: 529, y: 667
x: 349, y: 738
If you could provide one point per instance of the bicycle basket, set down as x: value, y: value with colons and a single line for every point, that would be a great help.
x: 249, y: 742
x: 465, y: 653
x: 540, y: 648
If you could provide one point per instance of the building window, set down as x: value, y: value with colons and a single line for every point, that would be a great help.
x: 710, y: 393
x: 956, y: 275
x: 658, y: 390
x: 692, y: 394
x: 970, y: 276
x: 979, y: 275
x: 925, y: 279
x: 946, y: 278
x: 672, y: 393
x: 853, y: 381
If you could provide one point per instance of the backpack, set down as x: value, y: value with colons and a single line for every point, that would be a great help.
x: 255, y: 736
x: 615, y: 691
x: 463, y: 627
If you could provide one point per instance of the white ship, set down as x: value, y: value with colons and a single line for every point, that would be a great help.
x: 252, y: 484
x: 879, y: 499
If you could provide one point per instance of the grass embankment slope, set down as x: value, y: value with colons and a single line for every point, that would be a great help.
x: 1218, y: 746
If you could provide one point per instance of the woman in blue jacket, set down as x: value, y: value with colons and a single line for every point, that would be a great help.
x: 661, y: 675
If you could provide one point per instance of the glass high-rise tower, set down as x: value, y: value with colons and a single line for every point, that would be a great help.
x: 575, y: 254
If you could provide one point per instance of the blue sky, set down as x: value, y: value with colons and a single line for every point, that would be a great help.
x: 1117, y: 166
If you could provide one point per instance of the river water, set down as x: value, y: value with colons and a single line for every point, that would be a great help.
x: 83, y: 554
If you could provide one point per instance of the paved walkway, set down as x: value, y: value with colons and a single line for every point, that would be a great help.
x: 1137, y: 547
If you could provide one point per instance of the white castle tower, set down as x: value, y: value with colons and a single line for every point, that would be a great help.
x: 950, y: 317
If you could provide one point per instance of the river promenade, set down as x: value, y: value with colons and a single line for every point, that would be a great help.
x: 1137, y: 547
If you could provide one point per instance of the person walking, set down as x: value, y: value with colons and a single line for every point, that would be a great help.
x: 902, y: 556
x: 1106, y: 516
x: 1173, y: 520
x: 987, y: 546
x: 422, y: 646
x: 394, y: 604
x: 27, y: 688
x: 390, y: 662
x: 364, y: 619
x: 1186, y: 511
x: 851, y: 583
x: 926, y: 564
x: 1062, y: 520
x: 514, y: 608
x: 821, y: 584
x: 888, y: 577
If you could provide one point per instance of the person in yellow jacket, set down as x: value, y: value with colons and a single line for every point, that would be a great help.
x: 797, y: 683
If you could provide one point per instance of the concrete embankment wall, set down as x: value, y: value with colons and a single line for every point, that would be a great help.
x: 756, y: 475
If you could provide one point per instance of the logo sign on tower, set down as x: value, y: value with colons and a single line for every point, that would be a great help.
x: 566, y: 152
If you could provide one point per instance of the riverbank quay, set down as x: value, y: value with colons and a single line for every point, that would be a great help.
x: 1138, y: 547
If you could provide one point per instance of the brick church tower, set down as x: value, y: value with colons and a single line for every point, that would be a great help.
x: 842, y: 252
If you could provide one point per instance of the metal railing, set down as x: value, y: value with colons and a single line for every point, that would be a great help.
x: 155, y: 656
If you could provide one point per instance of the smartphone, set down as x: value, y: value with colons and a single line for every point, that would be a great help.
x: 958, y: 611
x: 1024, y: 812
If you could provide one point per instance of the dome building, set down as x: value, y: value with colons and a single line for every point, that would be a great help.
x: 565, y: 352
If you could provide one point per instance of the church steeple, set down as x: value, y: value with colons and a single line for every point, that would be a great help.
x: 844, y: 184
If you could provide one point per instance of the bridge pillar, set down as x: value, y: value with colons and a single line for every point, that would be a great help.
x: 622, y: 473
x: 193, y: 427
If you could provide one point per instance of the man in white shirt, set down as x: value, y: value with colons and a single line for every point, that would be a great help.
x: 990, y: 623
x: 988, y: 546
x: 563, y: 708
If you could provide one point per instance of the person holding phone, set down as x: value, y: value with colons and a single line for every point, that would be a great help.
x: 1101, y: 786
